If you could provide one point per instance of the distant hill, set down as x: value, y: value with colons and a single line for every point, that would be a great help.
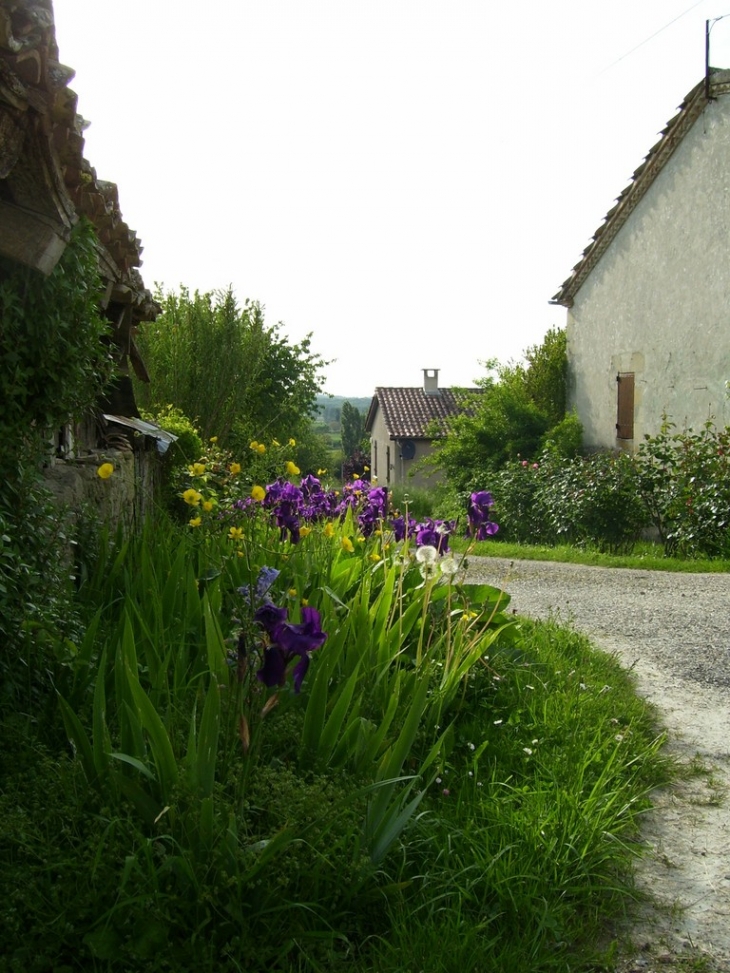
x: 330, y: 406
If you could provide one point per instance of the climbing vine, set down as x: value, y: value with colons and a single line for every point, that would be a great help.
x: 53, y: 360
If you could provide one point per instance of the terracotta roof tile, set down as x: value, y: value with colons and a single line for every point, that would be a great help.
x: 408, y: 412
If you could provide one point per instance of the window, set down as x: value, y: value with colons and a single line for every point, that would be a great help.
x: 625, y: 405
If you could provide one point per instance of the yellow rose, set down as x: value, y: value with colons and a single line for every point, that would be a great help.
x: 105, y: 471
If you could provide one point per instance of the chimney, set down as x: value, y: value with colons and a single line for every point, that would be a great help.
x: 431, y: 381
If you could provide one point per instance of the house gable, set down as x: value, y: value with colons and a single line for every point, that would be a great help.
x: 649, y: 298
x: 403, y: 423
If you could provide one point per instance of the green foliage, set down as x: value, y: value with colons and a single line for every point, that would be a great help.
x: 352, y: 429
x: 509, y: 419
x: 685, y: 485
x: 37, y: 610
x: 565, y: 438
x: 53, y: 361
x: 234, y: 376
x: 587, y: 500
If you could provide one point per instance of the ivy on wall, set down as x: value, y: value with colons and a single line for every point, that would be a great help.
x: 53, y: 360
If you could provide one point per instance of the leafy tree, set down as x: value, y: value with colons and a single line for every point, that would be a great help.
x: 352, y: 429
x: 235, y: 376
x: 510, y: 417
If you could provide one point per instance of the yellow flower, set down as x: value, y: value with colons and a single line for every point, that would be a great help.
x: 366, y: 469
x: 214, y: 439
x: 258, y: 493
x: 292, y: 592
x: 253, y: 445
x: 192, y: 497
x: 195, y: 521
x: 292, y: 442
x: 321, y: 472
x: 197, y: 469
x: 304, y: 531
x: 236, y: 533
x: 329, y: 530
x: 305, y: 602
x: 374, y: 556
x: 105, y: 470
x: 207, y: 505
x: 234, y: 469
x: 347, y: 545
x: 261, y: 449
x: 291, y: 468
x: 275, y: 442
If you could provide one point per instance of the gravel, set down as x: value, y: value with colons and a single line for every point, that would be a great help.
x: 673, y: 631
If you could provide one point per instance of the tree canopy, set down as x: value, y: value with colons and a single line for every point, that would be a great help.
x: 224, y: 367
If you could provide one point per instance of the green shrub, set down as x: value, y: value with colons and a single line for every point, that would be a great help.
x: 685, y: 485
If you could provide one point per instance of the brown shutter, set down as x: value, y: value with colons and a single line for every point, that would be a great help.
x: 625, y: 410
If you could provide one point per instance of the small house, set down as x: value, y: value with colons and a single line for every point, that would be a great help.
x: 403, y: 424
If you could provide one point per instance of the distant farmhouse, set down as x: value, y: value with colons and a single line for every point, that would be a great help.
x: 648, y: 322
x: 403, y: 424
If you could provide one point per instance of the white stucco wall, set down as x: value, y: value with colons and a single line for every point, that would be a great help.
x: 400, y: 469
x: 658, y: 302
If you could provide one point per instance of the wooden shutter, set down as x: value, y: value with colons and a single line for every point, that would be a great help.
x: 625, y: 405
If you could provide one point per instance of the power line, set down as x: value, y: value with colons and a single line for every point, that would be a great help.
x: 652, y: 36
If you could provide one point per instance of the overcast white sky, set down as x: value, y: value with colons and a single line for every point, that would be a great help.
x: 409, y: 180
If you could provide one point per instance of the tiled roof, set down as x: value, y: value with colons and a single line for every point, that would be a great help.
x: 689, y: 111
x: 408, y: 412
x: 43, y: 172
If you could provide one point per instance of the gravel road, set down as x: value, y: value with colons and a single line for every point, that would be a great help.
x: 673, y: 631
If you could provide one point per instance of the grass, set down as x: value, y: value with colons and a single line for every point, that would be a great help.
x: 646, y: 556
x: 519, y: 850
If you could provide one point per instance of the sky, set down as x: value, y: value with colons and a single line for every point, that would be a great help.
x: 410, y: 181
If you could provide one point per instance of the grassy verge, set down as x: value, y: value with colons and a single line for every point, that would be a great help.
x: 645, y: 556
x: 521, y: 852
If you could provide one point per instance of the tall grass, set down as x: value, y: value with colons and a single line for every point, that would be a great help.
x: 451, y: 788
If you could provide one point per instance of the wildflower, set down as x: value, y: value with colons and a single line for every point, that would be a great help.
x: 195, y: 521
x: 448, y: 566
x: 374, y: 556
x: 236, y: 533
x: 292, y: 469
x: 292, y: 442
x: 197, y: 469
x: 258, y: 493
x: 105, y: 471
x: 292, y: 592
x: 192, y: 497
x: 275, y: 442
x: 207, y: 505
x: 527, y: 751
x: 303, y: 531
x: 428, y: 571
x: 213, y: 439
x: 321, y: 472
x: 347, y: 545
x: 287, y: 642
x: 329, y: 530
x: 234, y: 469
x: 253, y: 445
x: 261, y: 449
x: 427, y: 555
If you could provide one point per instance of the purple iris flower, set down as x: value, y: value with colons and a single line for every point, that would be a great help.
x: 480, y: 527
x: 403, y: 529
x: 288, y: 641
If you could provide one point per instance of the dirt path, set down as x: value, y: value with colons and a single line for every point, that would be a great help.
x: 674, y: 632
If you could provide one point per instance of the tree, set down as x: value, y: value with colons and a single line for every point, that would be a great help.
x: 352, y: 429
x: 221, y: 365
x: 509, y: 417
